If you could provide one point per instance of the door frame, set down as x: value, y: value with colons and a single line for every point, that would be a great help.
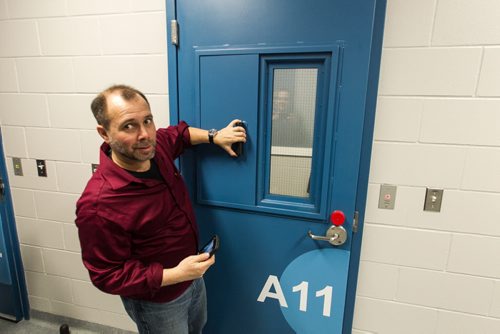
x: 365, y: 158
x: 17, y: 290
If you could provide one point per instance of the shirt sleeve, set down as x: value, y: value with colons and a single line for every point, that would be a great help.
x: 106, y: 253
x: 176, y: 138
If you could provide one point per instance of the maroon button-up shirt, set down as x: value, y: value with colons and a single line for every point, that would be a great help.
x: 131, y: 228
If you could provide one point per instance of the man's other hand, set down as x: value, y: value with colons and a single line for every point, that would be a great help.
x: 190, y: 268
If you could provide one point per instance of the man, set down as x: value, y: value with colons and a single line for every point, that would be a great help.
x: 137, y: 228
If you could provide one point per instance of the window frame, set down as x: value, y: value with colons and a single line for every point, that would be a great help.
x: 319, y: 164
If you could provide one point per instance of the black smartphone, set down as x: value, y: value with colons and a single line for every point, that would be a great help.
x: 212, y: 246
x: 238, y: 147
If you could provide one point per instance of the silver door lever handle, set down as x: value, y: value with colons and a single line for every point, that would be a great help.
x: 317, y: 237
x: 335, y: 235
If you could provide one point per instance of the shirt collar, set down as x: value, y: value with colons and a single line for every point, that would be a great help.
x: 114, y: 174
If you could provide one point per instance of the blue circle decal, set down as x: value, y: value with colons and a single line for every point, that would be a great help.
x: 314, y: 285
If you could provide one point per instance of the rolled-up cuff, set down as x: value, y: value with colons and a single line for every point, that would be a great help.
x: 183, y: 130
x: 155, y: 277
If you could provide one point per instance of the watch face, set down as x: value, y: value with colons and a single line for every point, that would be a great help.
x: 211, y: 134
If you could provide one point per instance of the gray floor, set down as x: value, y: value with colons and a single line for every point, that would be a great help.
x: 45, y: 323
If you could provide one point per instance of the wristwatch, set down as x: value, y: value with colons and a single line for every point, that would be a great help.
x: 211, y: 134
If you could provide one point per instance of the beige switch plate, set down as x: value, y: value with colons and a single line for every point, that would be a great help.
x: 18, y: 166
x: 387, y: 197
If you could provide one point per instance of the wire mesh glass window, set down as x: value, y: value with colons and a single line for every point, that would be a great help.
x: 292, y: 130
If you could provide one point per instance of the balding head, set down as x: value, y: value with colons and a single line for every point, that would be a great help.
x: 99, y: 104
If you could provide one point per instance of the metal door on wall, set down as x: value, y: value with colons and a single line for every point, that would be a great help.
x: 303, y: 77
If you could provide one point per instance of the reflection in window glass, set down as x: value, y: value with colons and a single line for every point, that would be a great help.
x: 292, y: 129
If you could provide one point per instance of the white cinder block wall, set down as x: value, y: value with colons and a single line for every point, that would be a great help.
x: 55, y: 55
x: 437, y: 125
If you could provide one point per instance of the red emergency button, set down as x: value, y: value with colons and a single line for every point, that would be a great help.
x: 337, y: 218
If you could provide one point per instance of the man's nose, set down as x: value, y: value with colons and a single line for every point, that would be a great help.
x: 143, y: 133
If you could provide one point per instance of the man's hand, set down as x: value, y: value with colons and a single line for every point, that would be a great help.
x: 229, y: 135
x: 190, y: 268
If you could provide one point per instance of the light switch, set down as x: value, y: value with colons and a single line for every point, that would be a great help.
x: 387, y: 197
x: 433, y: 200
x: 41, y: 167
x: 18, y: 167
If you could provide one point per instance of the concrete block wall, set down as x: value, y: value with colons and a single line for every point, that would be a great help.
x: 437, y: 125
x: 55, y: 55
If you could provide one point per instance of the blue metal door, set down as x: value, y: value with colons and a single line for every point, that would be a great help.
x: 13, y: 295
x: 303, y: 76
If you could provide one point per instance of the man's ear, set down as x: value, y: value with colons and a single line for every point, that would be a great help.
x: 103, y: 133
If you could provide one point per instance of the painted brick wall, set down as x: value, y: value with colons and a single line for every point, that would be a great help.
x: 55, y: 55
x: 437, y: 125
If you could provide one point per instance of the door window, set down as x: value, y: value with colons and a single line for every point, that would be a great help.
x: 295, y: 91
x: 292, y: 128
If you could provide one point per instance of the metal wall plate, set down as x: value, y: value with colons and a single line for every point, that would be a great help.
x: 18, y: 167
x: 387, y: 197
x: 433, y: 200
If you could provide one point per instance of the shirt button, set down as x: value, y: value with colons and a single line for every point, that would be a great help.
x: 176, y: 174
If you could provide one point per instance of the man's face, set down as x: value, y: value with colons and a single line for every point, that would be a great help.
x: 280, y: 101
x: 131, y: 133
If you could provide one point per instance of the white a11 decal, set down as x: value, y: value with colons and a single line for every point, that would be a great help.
x: 303, y: 288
